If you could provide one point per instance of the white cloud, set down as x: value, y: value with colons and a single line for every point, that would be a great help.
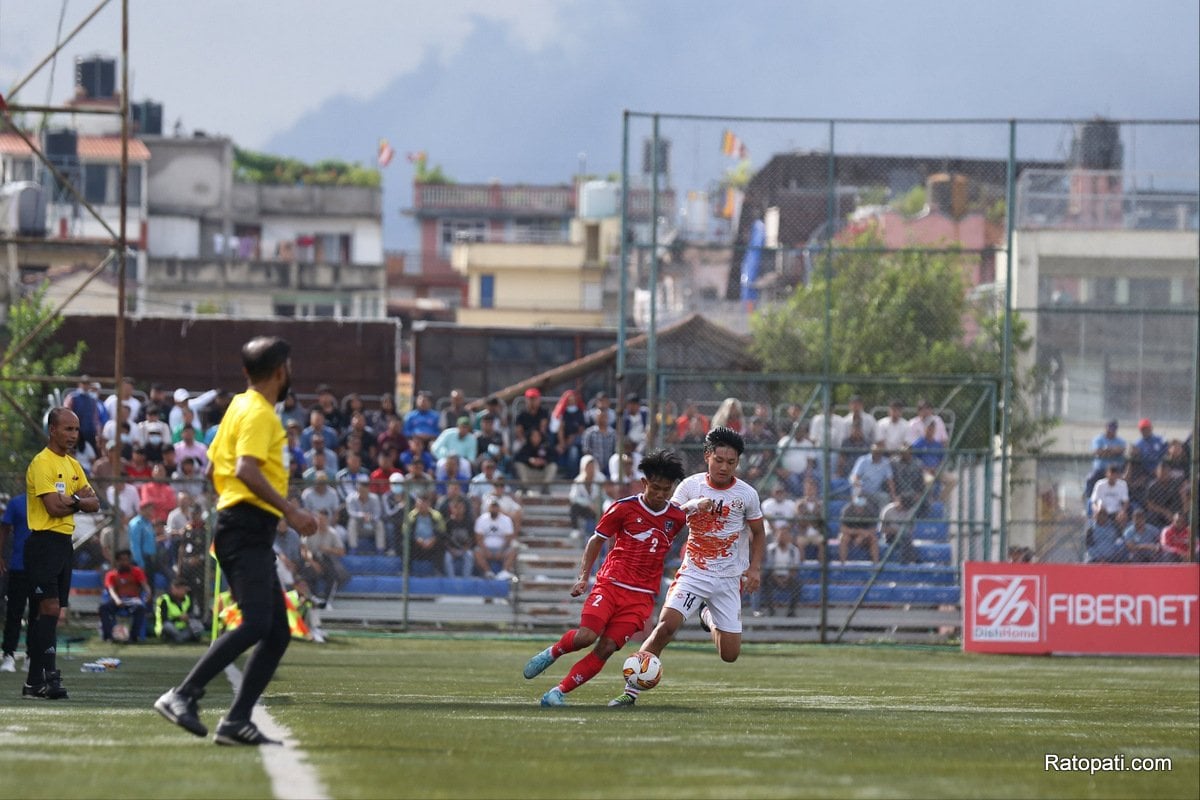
x: 250, y: 69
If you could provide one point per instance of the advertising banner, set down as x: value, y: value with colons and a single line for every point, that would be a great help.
x: 1145, y: 609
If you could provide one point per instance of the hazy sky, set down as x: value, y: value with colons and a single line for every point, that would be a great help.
x: 518, y: 89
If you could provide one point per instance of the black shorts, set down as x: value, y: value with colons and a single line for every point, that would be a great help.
x: 48, y: 556
x: 244, y: 541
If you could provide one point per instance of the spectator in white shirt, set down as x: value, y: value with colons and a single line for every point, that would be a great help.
x: 867, y: 422
x: 892, y: 430
x: 916, y: 426
x: 1112, y: 494
x: 796, y: 455
x: 779, y: 510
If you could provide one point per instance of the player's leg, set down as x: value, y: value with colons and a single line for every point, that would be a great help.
x: 581, y: 672
x: 16, y: 601
x: 684, y: 597
x: 598, y: 610
x: 267, y: 615
x: 725, y: 615
x: 234, y: 526
x: 48, y: 556
x: 628, y: 616
x: 569, y: 642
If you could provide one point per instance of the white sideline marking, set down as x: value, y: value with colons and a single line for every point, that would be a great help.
x: 291, y: 776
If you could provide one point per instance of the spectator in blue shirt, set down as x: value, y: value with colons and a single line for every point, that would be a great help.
x: 14, y: 527
x: 417, y: 452
x: 1144, y: 457
x: 317, y: 427
x: 141, y: 537
x: 1108, y: 449
x: 423, y: 421
x: 929, y: 452
x: 1105, y: 543
x: 872, y: 474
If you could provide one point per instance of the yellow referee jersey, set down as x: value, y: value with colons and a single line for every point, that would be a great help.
x: 250, y: 427
x: 50, y: 472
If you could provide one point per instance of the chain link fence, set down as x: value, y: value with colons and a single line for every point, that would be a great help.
x: 878, y: 258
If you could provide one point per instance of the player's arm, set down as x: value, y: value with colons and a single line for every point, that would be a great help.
x: 250, y: 473
x: 111, y: 588
x: 59, y: 504
x: 88, y: 502
x: 5, y: 532
x: 590, y: 553
x: 758, y: 542
x: 696, y: 505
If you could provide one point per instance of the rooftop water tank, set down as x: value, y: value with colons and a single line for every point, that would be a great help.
x: 598, y: 199
x: 22, y: 209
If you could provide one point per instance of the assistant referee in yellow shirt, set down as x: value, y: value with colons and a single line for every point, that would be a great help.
x: 55, y: 488
x: 248, y: 464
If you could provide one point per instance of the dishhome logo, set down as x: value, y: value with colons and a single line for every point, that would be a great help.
x: 1006, y: 608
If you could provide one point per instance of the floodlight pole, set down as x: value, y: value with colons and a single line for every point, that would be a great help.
x: 826, y: 386
x: 652, y: 333
x: 623, y: 285
x: 1006, y: 388
x: 122, y: 236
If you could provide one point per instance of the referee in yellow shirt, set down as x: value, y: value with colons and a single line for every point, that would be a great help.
x: 248, y: 464
x: 55, y: 488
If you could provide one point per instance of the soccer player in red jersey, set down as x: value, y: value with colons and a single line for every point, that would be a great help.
x: 640, y: 529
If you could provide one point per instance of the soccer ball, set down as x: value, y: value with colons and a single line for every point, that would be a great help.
x: 642, y: 670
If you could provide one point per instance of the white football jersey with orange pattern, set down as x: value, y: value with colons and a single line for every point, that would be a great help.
x: 715, y: 543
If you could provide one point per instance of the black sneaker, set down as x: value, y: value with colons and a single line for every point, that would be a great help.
x: 242, y: 733
x: 182, y: 709
x: 703, y: 623
x: 34, y: 692
x: 53, y: 687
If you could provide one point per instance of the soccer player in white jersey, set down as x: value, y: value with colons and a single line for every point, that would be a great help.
x: 720, y: 562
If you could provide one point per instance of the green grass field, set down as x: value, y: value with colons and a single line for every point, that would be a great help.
x: 388, y: 716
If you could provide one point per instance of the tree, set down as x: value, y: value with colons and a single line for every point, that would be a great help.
x: 41, y: 356
x: 900, y: 313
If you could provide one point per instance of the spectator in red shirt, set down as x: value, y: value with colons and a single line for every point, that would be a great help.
x: 1175, y: 539
x: 160, y: 493
x: 125, y: 587
x: 385, y: 468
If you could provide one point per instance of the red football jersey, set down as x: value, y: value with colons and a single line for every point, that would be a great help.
x: 640, y: 539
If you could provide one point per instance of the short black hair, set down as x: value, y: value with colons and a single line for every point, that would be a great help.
x: 54, y: 415
x: 125, y: 551
x: 262, y: 355
x: 724, y: 437
x: 662, y: 464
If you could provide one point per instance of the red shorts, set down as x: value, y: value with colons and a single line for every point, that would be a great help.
x: 615, y: 612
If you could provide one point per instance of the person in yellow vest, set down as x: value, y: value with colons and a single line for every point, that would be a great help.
x: 55, y: 487
x: 173, y: 617
x: 248, y: 465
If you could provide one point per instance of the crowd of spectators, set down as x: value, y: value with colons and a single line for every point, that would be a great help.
x: 1137, y: 497
x: 428, y: 481
x: 446, y: 483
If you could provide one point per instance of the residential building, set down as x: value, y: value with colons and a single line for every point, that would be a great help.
x: 1106, y: 277
x: 220, y: 245
x: 538, y: 283
x: 204, y: 241
x: 533, y: 255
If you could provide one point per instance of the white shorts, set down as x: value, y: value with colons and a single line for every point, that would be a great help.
x: 722, y: 594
